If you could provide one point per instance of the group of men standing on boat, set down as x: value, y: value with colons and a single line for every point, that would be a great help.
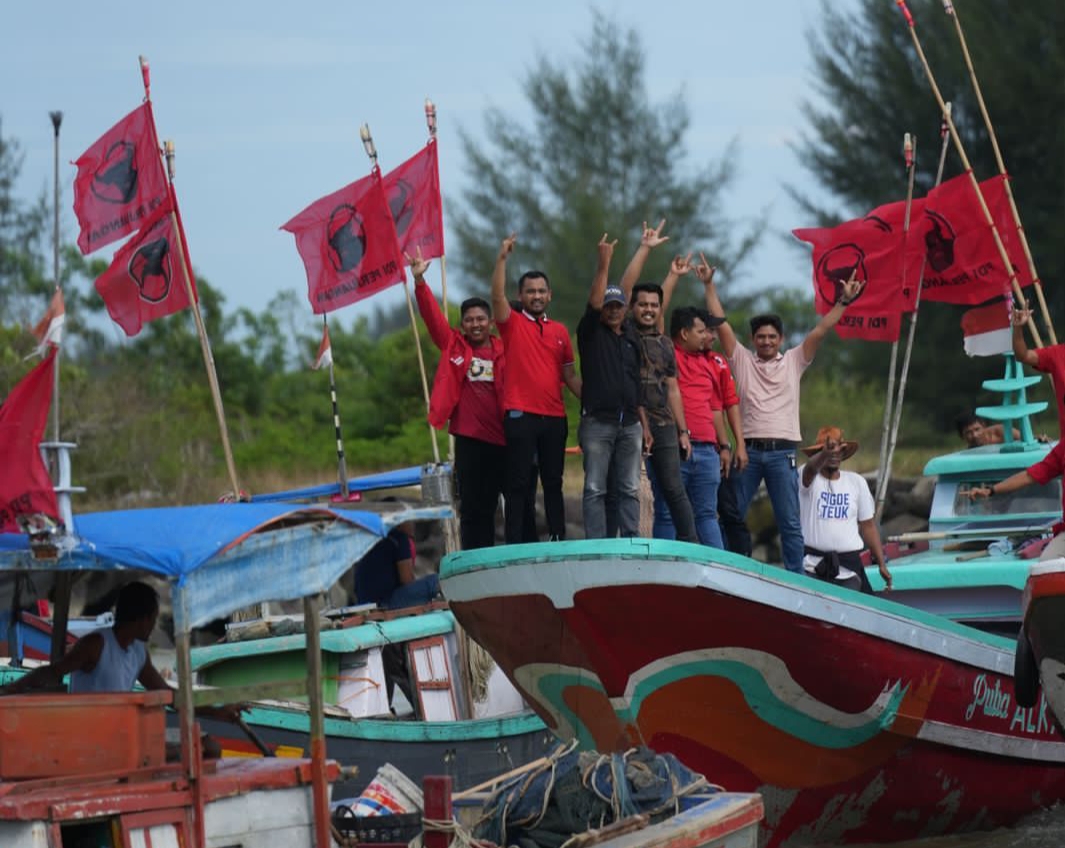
x: 671, y: 401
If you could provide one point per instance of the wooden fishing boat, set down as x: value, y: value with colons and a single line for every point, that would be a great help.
x: 1040, y: 658
x: 448, y: 731
x: 103, y: 772
x: 859, y: 719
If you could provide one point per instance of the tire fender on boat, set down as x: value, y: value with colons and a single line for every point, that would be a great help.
x: 1025, y: 672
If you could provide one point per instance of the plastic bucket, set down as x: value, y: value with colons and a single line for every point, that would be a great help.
x: 391, y: 792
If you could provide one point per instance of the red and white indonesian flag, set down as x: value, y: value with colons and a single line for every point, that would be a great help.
x: 988, y: 329
x: 49, y: 330
x: 325, y: 351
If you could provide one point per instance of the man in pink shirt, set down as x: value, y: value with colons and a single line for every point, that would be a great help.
x: 768, y: 383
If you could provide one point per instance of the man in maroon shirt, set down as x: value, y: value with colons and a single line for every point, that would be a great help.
x: 1050, y: 360
x: 539, y: 358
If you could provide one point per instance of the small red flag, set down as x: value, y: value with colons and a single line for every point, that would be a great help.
x: 325, y: 351
x: 413, y: 192
x: 145, y: 281
x: 886, y: 257
x: 347, y: 241
x: 25, y: 487
x: 49, y: 330
x: 120, y: 181
x: 964, y: 264
x: 988, y: 329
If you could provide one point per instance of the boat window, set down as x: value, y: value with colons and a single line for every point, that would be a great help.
x: 1030, y: 499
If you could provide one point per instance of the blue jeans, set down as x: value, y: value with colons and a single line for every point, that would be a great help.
x: 611, y: 450
x: 701, y: 474
x: 777, y: 468
x: 421, y: 591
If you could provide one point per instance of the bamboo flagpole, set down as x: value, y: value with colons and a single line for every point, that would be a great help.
x: 371, y: 151
x: 948, y: 7
x: 430, y: 121
x: 1003, y: 255
x: 908, y: 156
x: 881, y: 495
x: 186, y: 275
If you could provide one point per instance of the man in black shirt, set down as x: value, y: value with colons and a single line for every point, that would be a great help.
x: 612, y: 432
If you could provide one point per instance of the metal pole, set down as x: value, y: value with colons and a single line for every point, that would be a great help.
x: 342, y: 466
x: 57, y: 119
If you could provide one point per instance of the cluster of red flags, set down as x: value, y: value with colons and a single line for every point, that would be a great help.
x: 949, y: 252
x: 353, y: 241
x: 121, y: 188
x: 25, y: 487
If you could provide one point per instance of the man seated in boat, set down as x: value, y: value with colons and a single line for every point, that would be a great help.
x: 1051, y: 466
x: 976, y: 432
x: 114, y: 658
x: 836, y: 510
x: 385, y: 575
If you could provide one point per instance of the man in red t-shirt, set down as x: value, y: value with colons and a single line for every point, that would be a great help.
x: 1049, y: 360
x: 539, y: 357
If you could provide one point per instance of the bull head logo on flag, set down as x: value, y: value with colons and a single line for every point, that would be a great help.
x: 115, y: 180
x: 347, y: 238
x: 939, y: 241
x: 836, y: 267
x: 401, y: 205
x: 150, y: 267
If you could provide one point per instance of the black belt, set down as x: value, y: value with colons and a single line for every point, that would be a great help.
x: 771, y: 444
x: 710, y: 444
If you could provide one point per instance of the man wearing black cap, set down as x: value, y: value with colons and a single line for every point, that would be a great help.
x: 612, y: 430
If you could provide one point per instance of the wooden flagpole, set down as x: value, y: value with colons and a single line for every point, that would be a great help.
x: 186, y: 275
x: 205, y: 345
x: 430, y: 121
x: 1003, y: 255
x: 881, y: 496
x: 371, y: 151
x: 948, y: 7
x: 881, y: 483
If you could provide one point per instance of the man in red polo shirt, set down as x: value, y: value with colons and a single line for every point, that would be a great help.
x: 539, y: 359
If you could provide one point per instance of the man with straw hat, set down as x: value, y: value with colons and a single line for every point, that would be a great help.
x: 836, y: 512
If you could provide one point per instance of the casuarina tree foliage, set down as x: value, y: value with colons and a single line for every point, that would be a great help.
x: 598, y: 154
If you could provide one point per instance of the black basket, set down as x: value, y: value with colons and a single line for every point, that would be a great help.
x: 401, y: 827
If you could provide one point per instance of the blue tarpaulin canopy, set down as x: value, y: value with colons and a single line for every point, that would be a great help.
x: 219, y: 557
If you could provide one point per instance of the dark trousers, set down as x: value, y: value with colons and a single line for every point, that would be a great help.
x: 664, y: 472
x: 479, y: 470
x: 733, y: 528
x: 539, y: 439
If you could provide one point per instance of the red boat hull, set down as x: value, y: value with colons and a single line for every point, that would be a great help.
x: 859, y: 720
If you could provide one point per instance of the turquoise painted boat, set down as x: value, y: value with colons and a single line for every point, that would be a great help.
x: 969, y: 566
x: 449, y: 731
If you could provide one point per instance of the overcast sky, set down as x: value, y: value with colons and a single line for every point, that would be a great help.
x: 264, y: 101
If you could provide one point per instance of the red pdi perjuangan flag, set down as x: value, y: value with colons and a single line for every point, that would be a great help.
x: 413, y: 192
x: 120, y: 181
x: 145, y: 280
x: 878, y: 250
x: 348, y: 244
x: 25, y: 487
x: 964, y: 264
